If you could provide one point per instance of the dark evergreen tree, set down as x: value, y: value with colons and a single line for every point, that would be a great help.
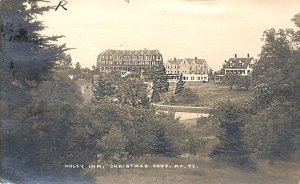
x: 155, y: 94
x: 231, y: 148
x: 103, y: 88
x: 179, y: 85
x: 160, y: 79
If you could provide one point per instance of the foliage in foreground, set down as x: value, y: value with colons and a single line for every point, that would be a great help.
x: 231, y: 118
x: 186, y: 96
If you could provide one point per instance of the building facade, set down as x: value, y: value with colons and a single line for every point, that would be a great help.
x: 237, y: 65
x: 240, y: 66
x: 128, y: 60
x: 192, y: 69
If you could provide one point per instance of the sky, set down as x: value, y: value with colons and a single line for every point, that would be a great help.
x: 213, y: 30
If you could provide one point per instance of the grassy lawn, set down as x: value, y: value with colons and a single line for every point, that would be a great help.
x: 210, y: 93
x: 207, y: 172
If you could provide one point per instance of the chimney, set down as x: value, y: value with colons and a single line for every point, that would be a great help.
x: 195, y: 58
x: 235, y: 55
x: 248, y: 55
x: 174, y: 58
x: 225, y: 61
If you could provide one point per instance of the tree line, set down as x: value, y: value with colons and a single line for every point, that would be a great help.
x: 267, y: 125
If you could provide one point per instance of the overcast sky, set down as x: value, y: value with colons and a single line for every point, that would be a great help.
x: 210, y: 29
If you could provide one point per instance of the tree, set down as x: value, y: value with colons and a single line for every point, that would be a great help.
x: 210, y: 74
x: 135, y: 132
x: 54, y: 130
x: 32, y: 54
x: 187, y: 96
x: 230, y: 119
x: 160, y: 79
x: 133, y: 91
x: 274, y: 129
x: 274, y: 132
x: 28, y: 61
x: 155, y: 95
x: 244, y: 82
x: 230, y: 80
x: 103, y: 88
x: 179, y: 85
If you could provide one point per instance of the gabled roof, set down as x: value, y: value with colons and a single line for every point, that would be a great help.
x: 197, y: 61
x: 235, y: 63
x: 188, y: 60
x: 175, y: 61
x: 128, y: 52
x: 200, y: 61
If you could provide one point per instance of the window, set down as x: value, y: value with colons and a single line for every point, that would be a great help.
x: 86, y: 87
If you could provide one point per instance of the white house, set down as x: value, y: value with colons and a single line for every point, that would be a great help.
x: 241, y: 66
x: 192, y: 69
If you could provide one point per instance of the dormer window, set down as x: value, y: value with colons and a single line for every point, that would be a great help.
x: 240, y: 63
x: 230, y: 64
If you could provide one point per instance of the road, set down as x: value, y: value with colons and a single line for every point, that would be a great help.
x: 176, y: 106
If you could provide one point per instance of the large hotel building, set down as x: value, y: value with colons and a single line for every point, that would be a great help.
x: 126, y: 60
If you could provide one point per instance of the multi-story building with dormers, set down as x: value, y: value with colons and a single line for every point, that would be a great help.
x: 192, y: 69
x: 236, y: 65
x: 239, y: 65
x: 127, y: 60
